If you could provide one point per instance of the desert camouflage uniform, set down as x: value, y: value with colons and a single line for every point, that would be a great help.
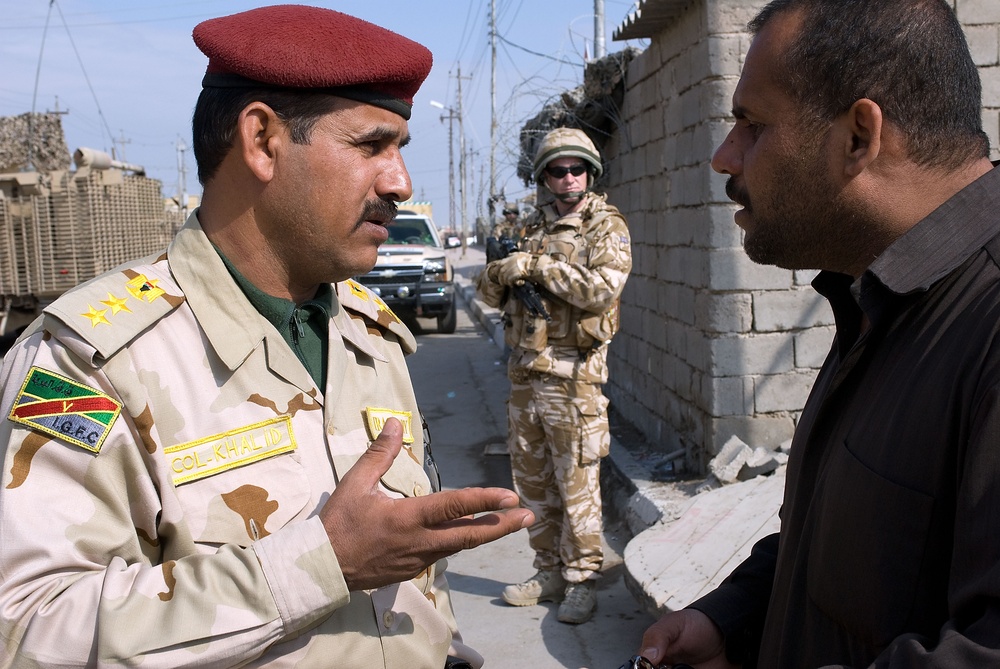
x: 184, y: 531
x: 558, y: 423
x: 509, y: 229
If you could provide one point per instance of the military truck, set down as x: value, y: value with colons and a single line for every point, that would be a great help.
x: 60, y: 227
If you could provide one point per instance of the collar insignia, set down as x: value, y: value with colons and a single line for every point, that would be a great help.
x: 142, y: 288
x: 357, y: 290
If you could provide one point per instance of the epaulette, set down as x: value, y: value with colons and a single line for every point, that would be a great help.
x: 360, y: 300
x: 111, y: 310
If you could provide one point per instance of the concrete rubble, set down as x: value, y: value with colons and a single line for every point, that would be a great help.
x: 687, y: 535
x: 738, y: 462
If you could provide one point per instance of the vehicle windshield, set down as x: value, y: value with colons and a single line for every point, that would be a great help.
x: 410, y: 232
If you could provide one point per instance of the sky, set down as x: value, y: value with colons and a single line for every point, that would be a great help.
x: 128, y: 74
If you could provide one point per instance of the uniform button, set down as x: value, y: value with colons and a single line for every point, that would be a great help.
x: 418, y: 490
x: 330, y: 430
x: 388, y: 619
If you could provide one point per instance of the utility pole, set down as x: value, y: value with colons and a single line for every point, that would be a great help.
x: 451, y: 116
x: 451, y: 168
x: 461, y: 163
x: 493, y: 110
x: 599, y: 51
x: 57, y: 111
x: 121, y: 141
x: 483, y: 229
x: 181, y: 180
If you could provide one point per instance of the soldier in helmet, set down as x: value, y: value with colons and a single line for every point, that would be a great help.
x: 576, y: 250
x: 510, y: 225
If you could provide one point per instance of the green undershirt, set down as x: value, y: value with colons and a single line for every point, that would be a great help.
x: 304, y: 327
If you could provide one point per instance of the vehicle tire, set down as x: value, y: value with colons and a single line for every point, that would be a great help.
x: 447, y: 322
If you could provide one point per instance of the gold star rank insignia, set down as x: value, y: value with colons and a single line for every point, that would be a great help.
x: 96, y: 317
x: 116, y: 304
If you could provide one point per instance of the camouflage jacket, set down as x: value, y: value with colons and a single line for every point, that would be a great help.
x: 580, y: 265
x: 165, y: 455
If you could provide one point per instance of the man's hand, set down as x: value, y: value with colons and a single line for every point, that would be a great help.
x: 686, y: 636
x: 379, y: 540
x: 510, y: 270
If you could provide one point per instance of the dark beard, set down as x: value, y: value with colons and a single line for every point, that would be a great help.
x: 810, y: 225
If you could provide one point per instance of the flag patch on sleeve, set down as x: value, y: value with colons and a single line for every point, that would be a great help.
x: 65, y: 409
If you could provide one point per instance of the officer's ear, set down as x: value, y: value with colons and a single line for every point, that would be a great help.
x: 260, y: 135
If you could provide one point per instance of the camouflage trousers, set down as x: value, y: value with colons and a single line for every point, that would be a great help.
x: 557, y: 434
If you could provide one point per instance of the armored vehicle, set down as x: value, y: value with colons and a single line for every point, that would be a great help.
x: 61, y: 227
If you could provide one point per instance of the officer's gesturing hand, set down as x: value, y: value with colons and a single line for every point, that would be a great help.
x: 380, y: 540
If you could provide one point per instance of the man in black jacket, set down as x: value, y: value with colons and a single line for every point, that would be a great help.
x: 858, y: 150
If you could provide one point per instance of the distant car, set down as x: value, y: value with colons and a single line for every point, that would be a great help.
x: 412, y: 274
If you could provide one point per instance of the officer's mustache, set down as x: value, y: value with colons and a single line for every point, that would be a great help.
x: 378, y: 210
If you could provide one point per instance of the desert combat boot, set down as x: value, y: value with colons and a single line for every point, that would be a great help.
x: 544, y: 586
x: 579, y: 603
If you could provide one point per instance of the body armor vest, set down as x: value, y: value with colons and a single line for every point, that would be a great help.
x: 567, y: 239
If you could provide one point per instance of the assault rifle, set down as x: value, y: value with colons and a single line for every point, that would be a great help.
x: 525, y: 291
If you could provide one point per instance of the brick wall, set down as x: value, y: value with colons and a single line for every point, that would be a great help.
x: 713, y: 345
x: 981, y: 19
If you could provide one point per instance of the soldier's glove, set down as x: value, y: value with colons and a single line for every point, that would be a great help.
x: 510, y: 270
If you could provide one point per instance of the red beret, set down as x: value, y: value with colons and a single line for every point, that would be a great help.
x: 299, y: 47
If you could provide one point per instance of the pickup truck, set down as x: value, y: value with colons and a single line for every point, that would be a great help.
x: 412, y: 274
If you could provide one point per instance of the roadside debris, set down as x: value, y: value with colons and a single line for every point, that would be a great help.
x: 737, y: 461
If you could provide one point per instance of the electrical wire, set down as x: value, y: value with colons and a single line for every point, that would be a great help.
x: 84, y: 70
x: 34, y: 97
x: 534, y: 53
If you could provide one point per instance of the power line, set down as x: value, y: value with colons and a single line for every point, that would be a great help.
x: 466, y: 33
x: 109, y: 23
x: 534, y: 53
x: 84, y: 70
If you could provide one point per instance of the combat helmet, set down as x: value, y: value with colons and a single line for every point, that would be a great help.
x: 563, y: 142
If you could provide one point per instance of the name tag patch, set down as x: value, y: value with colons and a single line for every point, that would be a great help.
x: 375, y: 419
x: 204, y: 457
x: 65, y: 409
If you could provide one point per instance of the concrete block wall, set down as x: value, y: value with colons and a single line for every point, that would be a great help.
x: 713, y: 345
x: 981, y: 20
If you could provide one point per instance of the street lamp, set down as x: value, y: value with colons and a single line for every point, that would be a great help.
x: 451, y: 116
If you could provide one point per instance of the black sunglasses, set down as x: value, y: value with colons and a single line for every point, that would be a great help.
x: 558, y: 172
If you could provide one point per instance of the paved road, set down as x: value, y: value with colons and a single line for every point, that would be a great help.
x: 461, y: 384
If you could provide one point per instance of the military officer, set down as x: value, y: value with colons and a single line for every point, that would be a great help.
x: 212, y: 457
x: 576, y: 250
